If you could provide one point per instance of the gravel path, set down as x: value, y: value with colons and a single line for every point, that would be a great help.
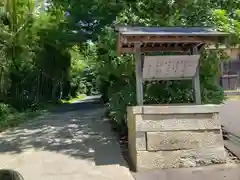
x: 69, y: 144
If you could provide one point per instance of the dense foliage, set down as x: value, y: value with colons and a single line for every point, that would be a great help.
x: 57, y: 49
x: 224, y: 15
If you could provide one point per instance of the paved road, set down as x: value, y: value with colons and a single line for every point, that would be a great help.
x: 230, y: 116
x: 70, y: 145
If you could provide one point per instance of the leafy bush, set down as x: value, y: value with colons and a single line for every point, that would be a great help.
x: 5, y: 110
x: 121, y: 94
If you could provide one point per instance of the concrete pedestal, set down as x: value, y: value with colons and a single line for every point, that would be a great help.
x: 174, y: 136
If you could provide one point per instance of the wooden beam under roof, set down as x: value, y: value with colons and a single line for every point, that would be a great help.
x: 166, y: 39
x: 152, y: 49
x: 158, y: 47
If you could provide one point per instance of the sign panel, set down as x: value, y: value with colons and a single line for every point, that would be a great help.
x: 170, y: 67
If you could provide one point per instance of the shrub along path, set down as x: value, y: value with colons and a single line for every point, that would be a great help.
x: 71, y: 143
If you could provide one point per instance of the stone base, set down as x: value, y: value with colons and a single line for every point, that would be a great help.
x: 214, y: 172
x: 163, y: 137
x: 147, y: 160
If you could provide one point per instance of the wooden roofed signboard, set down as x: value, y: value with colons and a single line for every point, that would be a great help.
x: 187, y: 40
x: 170, y: 67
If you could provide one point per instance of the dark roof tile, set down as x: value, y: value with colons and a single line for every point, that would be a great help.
x: 170, y: 31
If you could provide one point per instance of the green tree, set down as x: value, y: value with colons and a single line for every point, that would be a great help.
x: 119, y: 82
x: 69, y: 47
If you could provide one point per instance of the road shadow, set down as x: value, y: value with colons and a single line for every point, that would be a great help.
x: 78, y: 130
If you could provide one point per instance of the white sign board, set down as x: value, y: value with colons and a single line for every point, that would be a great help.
x: 170, y: 67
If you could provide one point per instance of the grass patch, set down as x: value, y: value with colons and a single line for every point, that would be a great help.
x: 10, y: 117
x: 16, y: 118
x: 71, y: 100
x: 237, y: 90
x: 233, y: 97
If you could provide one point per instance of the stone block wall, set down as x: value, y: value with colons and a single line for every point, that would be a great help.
x: 162, y: 137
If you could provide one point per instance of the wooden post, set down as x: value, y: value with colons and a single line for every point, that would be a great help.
x: 221, y: 73
x: 196, y: 81
x: 139, y: 81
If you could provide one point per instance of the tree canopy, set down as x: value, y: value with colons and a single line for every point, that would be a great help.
x: 56, y: 49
